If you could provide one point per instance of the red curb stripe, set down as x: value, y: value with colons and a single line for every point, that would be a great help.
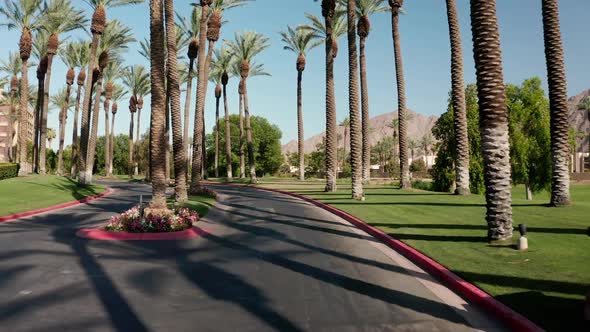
x: 100, y: 235
x: 55, y: 207
x: 514, y: 320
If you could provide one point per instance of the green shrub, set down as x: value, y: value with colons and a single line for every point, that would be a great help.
x: 422, y: 185
x: 8, y: 171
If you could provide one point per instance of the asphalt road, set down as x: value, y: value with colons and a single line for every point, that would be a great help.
x: 270, y: 263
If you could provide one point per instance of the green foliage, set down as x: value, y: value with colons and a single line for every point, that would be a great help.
x: 266, y: 140
x: 8, y: 171
x: 530, y: 137
x: 316, y: 161
x: 443, y: 171
x: 418, y: 168
x: 120, y: 155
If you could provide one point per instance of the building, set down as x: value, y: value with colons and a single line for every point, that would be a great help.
x: 5, y: 122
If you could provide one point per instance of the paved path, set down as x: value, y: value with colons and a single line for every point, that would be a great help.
x: 271, y: 263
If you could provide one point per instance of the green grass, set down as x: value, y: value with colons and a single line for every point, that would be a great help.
x: 35, y: 192
x: 200, y: 204
x: 547, y: 283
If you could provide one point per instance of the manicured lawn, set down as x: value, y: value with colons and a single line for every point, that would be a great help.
x: 546, y: 283
x: 36, y: 192
x: 201, y: 204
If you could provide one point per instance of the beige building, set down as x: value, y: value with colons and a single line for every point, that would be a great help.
x: 5, y: 122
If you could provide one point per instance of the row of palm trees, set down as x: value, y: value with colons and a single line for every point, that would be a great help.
x: 493, y: 111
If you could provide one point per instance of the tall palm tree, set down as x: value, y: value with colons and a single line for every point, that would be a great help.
x: 50, y: 136
x: 137, y: 80
x: 12, y: 67
x: 215, y: 77
x: 396, y: 6
x: 345, y: 124
x: 493, y: 117
x: 425, y: 143
x: 333, y: 27
x: 173, y: 90
x: 299, y: 41
x: 80, y: 51
x: 132, y: 111
x: 353, y: 103
x: 246, y: 46
x: 158, y: 118
x: 191, y: 28
x: 61, y: 17
x: 118, y: 93
x: 97, y: 28
x: 25, y: 16
x: 458, y: 100
x: 365, y: 8
x: 61, y: 101
x: 40, y: 42
x: 222, y: 67
x: 112, y: 72
x: 560, y: 184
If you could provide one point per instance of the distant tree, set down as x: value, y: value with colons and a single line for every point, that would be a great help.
x: 530, y: 140
x: 120, y: 155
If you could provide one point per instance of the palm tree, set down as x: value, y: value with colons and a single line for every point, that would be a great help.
x: 137, y: 80
x: 353, y: 103
x: 61, y: 101
x: 158, y: 117
x: 425, y: 143
x: 493, y: 118
x: 412, y: 146
x: 118, y: 93
x: 50, y: 136
x: 396, y: 6
x: 173, y: 92
x: 40, y: 53
x: 299, y: 41
x: 25, y: 16
x: 82, y: 53
x: 365, y: 8
x: 246, y: 46
x: 12, y: 67
x: 458, y: 100
x: 215, y: 77
x: 222, y: 66
x: 394, y: 125
x: 97, y: 28
x: 345, y: 124
x: 333, y: 27
x: 69, y: 57
x: 112, y: 72
x: 560, y: 184
x: 191, y: 28
x: 585, y: 106
x: 61, y: 17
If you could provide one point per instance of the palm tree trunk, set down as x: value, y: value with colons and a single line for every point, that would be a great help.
x: 75, y: 139
x: 198, y: 147
x: 85, y: 127
x: 300, y: 136
x: 10, y: 124
x: 251, y: 161
x: 458, y: 99
x: 353, y: 103
x: 187, y: 111
x: 37, y: 125
x: 111, y: 147
x: 94, y: 132
x: 62, y: 134
x: 401, y: 101
x: 131, y: 164
x: 228, y: 153
x: 204, y: 135
x: 217, y: 101
x: 493, y: 118
x: 44, y: 111
x: 136, y: 150
x: 365, y: 117
x: 25, y: 166
x: 331, y: 126
x: 174, y: 93
x: 158, y: 117
x: 344, y: 134
x: 242, y: 154
x: 107, y: 136
x: 560, y: 184
x: 167, y: 144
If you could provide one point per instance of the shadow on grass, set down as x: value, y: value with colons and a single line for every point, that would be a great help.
x: 573, y: 231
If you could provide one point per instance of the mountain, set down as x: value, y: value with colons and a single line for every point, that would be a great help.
x: 418, y: 125
x: 579, y: 119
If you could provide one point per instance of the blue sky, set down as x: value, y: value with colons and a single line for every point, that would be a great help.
x: 425, y: 45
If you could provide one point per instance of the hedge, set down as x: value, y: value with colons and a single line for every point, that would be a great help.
x: 8, y: 171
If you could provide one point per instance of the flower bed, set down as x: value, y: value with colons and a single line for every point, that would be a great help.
x: 154, y: 221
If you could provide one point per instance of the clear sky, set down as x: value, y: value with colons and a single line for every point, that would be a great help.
x: 425, y: 45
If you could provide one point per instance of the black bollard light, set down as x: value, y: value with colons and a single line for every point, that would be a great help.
x: 523, y: 243
x: 522, y: 229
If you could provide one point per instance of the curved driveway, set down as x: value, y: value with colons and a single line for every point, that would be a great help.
x: 271, y: 263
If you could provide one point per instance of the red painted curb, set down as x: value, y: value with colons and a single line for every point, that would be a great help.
x: 55, y: 207
x: 514, y: 320
x: 101, y: 235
